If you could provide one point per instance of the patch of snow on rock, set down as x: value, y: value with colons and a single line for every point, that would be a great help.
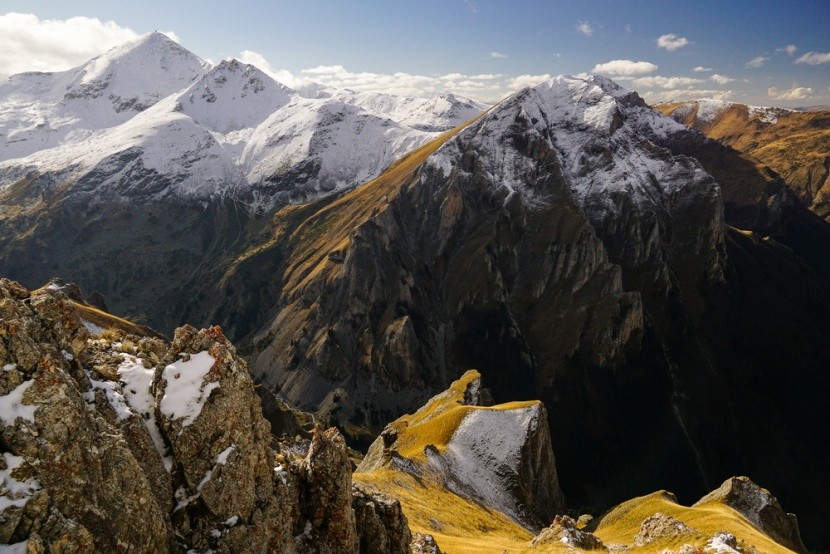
x: 15, y: 493
x: 12, y: 406
x: 186, y: 392
x: 92, y: 328
x: 138, y: 381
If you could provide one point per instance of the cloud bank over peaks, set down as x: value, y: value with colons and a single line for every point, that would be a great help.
x: 28, y: 43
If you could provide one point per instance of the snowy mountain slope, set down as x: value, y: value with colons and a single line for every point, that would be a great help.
x: 229, y: 129
x: 44, y: 110
x: 160, y: 151
x: 314, y: 146
x: 441, y: 113
x: 233, y: 96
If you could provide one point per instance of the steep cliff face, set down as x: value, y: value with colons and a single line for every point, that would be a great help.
x: 455, y: 464
x: 139, y: 444
x: 494, y: 254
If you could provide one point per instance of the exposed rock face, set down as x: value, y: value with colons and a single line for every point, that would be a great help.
x: 563, y: 530
x: 499, y: 456
x: 424, y: 544
x: 660, y: 526
x: 65, y: 466
x: 759, y: 507
x: 146, y: 446
x: 381, y: 523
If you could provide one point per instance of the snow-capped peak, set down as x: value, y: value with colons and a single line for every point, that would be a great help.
x: 233, y: 96
x: 140, y: 72
x: 600, y: 133
x: 44, y: 110
x: 590, y: 100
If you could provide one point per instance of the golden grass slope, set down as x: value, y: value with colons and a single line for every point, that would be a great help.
x: 462, y: 526
x: 796, y: 145
x: 457, y: 523
x: 622, y: 523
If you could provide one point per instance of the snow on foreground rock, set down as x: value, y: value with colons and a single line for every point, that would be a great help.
x: 97, y: 458
x: 499, y: 456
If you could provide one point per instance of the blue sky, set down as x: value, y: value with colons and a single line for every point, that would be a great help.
x: 488, y: 47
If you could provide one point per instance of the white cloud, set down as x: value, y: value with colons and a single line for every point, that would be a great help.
x: 790, y: 49
x: 685, y: 94
x: 281, y: 75
x: 28, y: 43
x: 794, y: 93
x: 756, y: 62
x: 617, y: 68
x: 814, y: 58
x: 701, y: 69
x: 485, y: 86
x: 657, y: 81
x: 721, y: 79
x: 585, y: 28
x: 526, y: 81
x: 671, y: 42
x: 498, y: 55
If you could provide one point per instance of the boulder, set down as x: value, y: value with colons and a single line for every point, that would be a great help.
x: 761, y: 508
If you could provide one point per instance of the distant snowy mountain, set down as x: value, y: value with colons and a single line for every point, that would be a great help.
x: 149, y: 118
x: 45, y: 110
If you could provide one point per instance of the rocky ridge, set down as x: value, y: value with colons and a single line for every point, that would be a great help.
x: 500, y: 456
x: 139, y: 444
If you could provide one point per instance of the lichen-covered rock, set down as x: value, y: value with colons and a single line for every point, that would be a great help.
x: 761, y: 508
x: 88, y: 477
x: 424, y: 544
x: 327, y: 521
x: 660, y: 526
x: 563, y: 531
x: 381, y: 524
x: 138, y: 445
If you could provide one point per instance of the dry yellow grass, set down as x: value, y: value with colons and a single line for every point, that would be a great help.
x: 463, y: 526
x: 458, y: 525
x: 622, y: 524
x: 106, y: 321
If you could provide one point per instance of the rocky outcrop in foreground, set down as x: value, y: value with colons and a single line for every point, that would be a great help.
x: 761, y: 508
x: 120, y: 443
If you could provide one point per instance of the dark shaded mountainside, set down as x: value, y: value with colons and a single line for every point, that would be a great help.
x: 663, y: 294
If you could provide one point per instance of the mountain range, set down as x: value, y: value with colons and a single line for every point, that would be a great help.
x: 664, y: 293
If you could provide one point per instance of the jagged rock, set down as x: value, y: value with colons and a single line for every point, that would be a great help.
x: 660, y: 526
x: 380, y: 521
x: 327, y: 521
x: 723, y: 543
x: 57, y: 445
x: 134, y: 444
x: 499, y: 456
x: 424, y: 544
x: 759, y: 507
x: 563, y: 530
